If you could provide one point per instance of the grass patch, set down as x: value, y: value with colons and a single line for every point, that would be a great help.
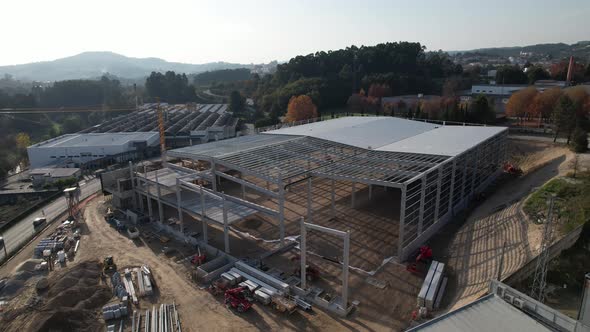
x: 574, y: 203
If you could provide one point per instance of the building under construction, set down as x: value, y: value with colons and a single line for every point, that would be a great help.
x: 368, y: 188
x: 185, y: 124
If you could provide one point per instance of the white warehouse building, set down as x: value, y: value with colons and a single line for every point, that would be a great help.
x: 76, y: 150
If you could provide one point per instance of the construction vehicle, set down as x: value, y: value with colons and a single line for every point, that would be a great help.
x: 108, y: 264
x: 199, y: 258
x: 512, y: 169
x: 219, y: 286
x: 238, y: 298
x: 283, y: 304
x: 423, y: 258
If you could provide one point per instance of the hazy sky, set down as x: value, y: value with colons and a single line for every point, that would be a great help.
x: 260, y: 31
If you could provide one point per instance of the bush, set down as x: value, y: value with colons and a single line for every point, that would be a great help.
x: 580, y: 140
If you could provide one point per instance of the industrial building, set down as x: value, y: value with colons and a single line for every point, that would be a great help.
x: 43, y: 176
x: 503, y: 309
x: 77, y: 150
x: 185, y: 124
x: 375, y: 187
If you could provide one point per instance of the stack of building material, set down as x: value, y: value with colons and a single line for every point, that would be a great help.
x: 114, y: 311
x: 143, y: 282
x: 47, y: 244
x: 128, y: 283
x: 431, y: 287
x: 264, y: 277
x: 118, y: 286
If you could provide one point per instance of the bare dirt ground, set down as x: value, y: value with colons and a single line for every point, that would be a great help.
x: 472, y: 250
x: 380, y: 309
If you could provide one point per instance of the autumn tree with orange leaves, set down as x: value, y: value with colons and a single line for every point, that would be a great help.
x: 544, y: 102
x: 518, y: 105
x: 301, y: 108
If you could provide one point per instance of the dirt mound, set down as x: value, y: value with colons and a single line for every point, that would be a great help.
x: 72, y: 302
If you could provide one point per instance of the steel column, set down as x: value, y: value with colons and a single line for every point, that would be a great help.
x: 303, y: 254
x: 160, y: 208
x: 281, y: 210
x: 452, y: 190
x: 346, y: 254
x: 422, y: 199
x: 178, y: 201
x: 203, y: 216
x: 402, y: 217
x: 225, y: 225
x: 438, y: 190
x: 309, y: 207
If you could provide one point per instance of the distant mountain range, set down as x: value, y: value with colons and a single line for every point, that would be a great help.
x: 96, y: 64
x: 580, y: 50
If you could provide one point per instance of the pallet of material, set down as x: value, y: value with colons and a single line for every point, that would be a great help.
x: 265, y: 277
x: 260, y: 283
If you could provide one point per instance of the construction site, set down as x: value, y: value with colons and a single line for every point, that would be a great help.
x: 344, y: 224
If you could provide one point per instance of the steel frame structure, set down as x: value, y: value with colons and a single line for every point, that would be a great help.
x: 345, y: 236
x: 432, y: 187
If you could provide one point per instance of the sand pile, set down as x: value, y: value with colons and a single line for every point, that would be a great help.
x: 71, y: 303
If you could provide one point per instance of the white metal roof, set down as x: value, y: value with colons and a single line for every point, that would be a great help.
x: 368, y: 132
x: 445, y: 140
x: 96, y: 139
x: 488, y: 314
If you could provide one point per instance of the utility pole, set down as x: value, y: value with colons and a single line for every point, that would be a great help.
x: 540, y: 278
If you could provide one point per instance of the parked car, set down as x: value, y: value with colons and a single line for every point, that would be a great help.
x: 39, y: 221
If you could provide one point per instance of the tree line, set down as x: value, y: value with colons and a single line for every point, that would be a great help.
x: 566, y: 110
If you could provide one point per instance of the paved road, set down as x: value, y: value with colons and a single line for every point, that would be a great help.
x: 23, y: 231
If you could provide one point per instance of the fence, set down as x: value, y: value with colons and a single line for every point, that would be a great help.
x: 555, y: 249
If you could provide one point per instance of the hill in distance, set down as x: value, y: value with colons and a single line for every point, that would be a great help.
x: 580, y: 50
x: 90, y: 65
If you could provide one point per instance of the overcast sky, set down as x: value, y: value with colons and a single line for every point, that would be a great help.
x: 260, y: 31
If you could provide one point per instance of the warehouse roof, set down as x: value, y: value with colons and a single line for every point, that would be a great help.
x: 96, y: 139
x: 445, y: 140
x: 372, y: 150
x: 488, y: 314
x: 368, y: 132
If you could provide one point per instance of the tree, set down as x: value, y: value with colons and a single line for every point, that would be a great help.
x: 511, y: 75
x: 537, y: 73
x: 564, y: 117
x: 481, y: 111
x: 301, y: 108
x: 23, y: 140
x: 544, y: 102
x: 236, y: 102
x: 519, y: 102
x: 170, y: 87
x: 580, y: 140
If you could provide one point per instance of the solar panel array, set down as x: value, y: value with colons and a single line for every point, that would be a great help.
x: 180, y: 120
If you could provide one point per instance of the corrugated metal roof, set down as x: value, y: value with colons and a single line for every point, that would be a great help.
x: 488, y: 314
x: 445, y: 140
x: 367, y: 132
